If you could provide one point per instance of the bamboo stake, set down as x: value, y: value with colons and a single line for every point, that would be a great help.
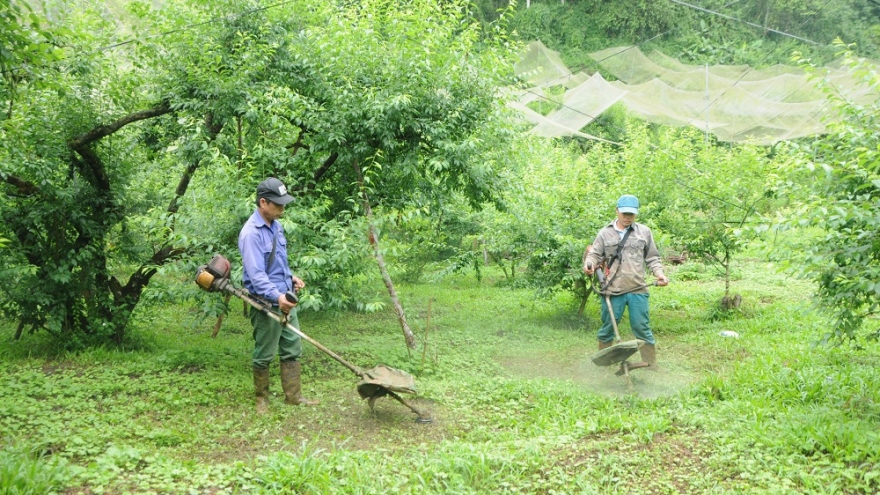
x: 427, y: 328
x: 222, y: 315
x: 374, y: 240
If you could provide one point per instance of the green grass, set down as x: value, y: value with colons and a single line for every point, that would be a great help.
x: 517, y: 405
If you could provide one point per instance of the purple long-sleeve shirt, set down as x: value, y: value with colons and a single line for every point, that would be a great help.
x: 255, y: 245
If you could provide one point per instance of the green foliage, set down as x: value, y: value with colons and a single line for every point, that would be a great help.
x: 700, y: 198
x: 27, y: 47
x: 150, y: 169
x: 706, y: 198
x: 25, y: 471
x: 562, y: 25
x: 810, y: 19
x: 842, y: 201
x: 577, y: 28
x: 695, y: 271
x: 446, y: 233
x: 547, y: 224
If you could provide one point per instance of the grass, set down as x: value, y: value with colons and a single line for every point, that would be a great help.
x: 517, y: 405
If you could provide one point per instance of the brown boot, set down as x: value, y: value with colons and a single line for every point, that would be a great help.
x: 649, y: 355
x: 604, y: 345
x: 290, y: 382
x: 261, y: 386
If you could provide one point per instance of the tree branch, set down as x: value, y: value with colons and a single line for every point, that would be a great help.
x: 96, y: 174
x: 127, y: 296
x: 105, y: 130
x: 92, y: 168
x: 298, y: 143
x: 25, y: 188
x: 319, y: 174
x: 214, y: 129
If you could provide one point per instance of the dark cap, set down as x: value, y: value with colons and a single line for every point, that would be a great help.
x: 274, y: 190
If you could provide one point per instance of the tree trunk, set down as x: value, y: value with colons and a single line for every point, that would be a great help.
x: 726, y: 272
x: 585, y: 296
x: 374, y: 241
x: 125, y: 298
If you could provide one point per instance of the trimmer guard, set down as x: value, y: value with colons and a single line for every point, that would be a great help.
x: 617, y: 353
x: 379, y: 380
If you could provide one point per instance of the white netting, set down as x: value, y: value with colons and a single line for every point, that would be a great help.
x: 735, y: 103
x: 541, y: 66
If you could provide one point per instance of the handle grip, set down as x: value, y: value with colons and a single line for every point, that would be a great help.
x: 291, y: 296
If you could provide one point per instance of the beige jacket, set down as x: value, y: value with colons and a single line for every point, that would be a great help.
x: 628, y: 272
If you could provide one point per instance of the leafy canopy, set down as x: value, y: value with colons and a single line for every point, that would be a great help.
x: 142, y: 158
x: 841, y: 199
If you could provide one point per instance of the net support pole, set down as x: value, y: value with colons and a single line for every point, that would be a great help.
x: 707, y: 103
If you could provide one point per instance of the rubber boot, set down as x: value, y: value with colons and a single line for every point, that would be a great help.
x: 604, y: 345
x: 261, y: 386
x: 290, y: 382
x: 649, y: 355
x: 633, y: 366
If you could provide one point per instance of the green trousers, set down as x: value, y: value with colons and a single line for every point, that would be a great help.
x: 271, y: 338
x: 638, y: 316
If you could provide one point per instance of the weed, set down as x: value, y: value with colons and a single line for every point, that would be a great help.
x: 29, y: 470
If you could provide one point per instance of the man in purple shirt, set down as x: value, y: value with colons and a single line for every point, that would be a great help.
x: 266, y: 274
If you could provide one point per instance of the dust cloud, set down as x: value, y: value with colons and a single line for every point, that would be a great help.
x: 581, y: 371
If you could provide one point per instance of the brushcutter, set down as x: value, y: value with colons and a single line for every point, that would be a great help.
x: 376, y: 382
x: 620, y: 351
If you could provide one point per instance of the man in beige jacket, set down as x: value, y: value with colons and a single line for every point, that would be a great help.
x: 624, y: 249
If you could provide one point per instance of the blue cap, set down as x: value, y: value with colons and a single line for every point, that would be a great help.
x: 628, y: 204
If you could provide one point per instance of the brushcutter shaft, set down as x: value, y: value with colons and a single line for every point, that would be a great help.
x: 613, y: 319
x: 266, y: 308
